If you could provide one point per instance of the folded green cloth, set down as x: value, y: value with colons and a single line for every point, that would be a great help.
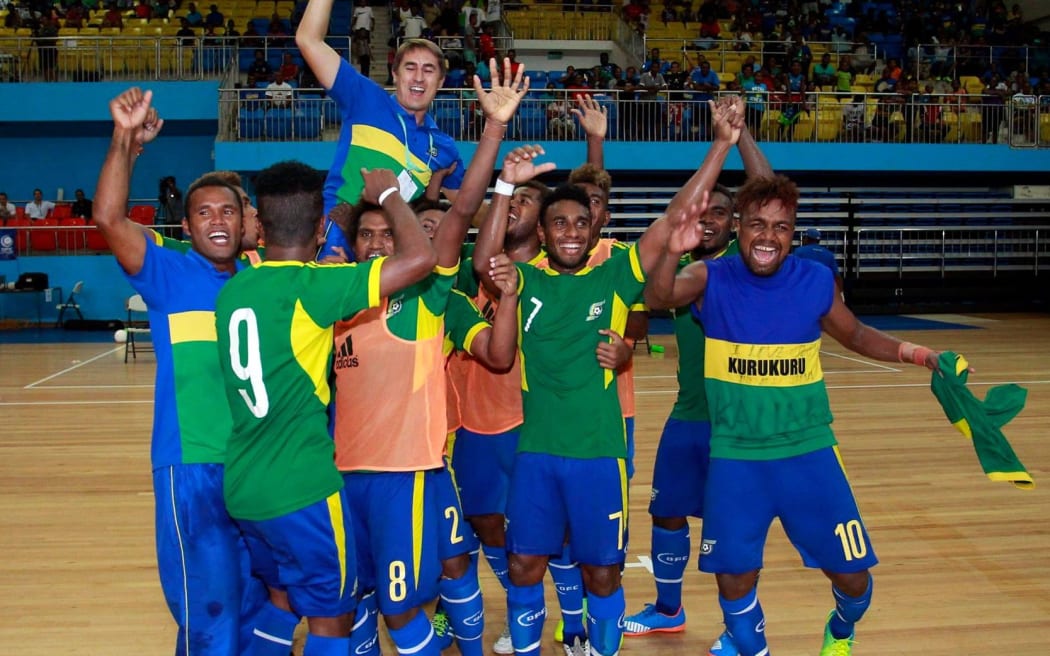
x: 981, y: 421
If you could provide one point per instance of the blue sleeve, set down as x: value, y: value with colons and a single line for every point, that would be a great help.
x: 159, y: 276
x: 334, y: 236
x: 351, y: 90
x: 448, y: 153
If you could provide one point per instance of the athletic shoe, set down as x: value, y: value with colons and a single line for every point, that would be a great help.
x: 577, y: 648
x: 503, y: 644
x: 724, y: 646
x: 442, y: 630
x: 651, y: 620
x: 835, y: 646
x: 559, y: 628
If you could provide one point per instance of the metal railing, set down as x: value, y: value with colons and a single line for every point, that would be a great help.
x: 826, y: 117
x: 950, y: 249
x: 954, y: 61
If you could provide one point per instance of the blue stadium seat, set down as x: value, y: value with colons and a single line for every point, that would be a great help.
x: 532, y: 122
x: 537, y: 79
x: 279, y: 123
x: 307, y: 123
x: 250, y: 124
x: 454, y: 78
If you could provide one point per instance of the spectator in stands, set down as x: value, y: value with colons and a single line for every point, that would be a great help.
x: 603, y: 63
x: 755, y: 93
x: 840, y: 41
x: 845, y: 76
x: 170, y: 201
x: 886, y: 83
x: 251, y: 38
x: 143, y: 10
x: 706, y: 83
x: 38, y: 208
x: 853, y: 117
x: 215, y: 17
x: 863, y: 60
x: 413, y: 26
x: 162, y: 9
x: 654, y: 60
x: 363, y: 19
x: 278, y: 32
x: 187, y: 36
x: 512, y: 55
x: 931, y: 124
x: 193, y: 17
x: 82, y: 205
x: 1024, y: 106
x: 7, y: 208
x: 260, y: 70
x: 812, y: 250
x: 824, y: 73
x: 560, y: 125
x: 113, y: 17
x: 361, y: 49
x: 289, y: 69
x: 800, y: 52
x: 279, y: 92
x: 493, y: 12
x: 75, y: 15
x: 993, y: 101
x: 709, y: 31
x: 650, y: 112
x: 486, y: 44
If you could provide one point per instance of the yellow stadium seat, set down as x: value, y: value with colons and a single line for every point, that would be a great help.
x: 1044, y: 129
x: 726, y: 78
x: 733, y: 61
x: 951, y: 121
x: 971, y: 127
x: 770, y: 128
x: 972, y: 84
x: 829, y: 122
x: 804, y: 127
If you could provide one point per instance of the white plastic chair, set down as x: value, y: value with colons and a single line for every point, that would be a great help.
x: 135, y: 305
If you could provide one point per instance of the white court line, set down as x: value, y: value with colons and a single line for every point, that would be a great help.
x: 73, y: 387
x: 114, y: 402
x: 76, y: 366
x: 971, y: 384
x: 867, y: 362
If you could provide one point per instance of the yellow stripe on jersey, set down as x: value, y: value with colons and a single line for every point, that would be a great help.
x: 155, y: 236
x: 312, y: 346
x: 623, y: 485
x: 192, y: 326
x: 381, y: 141
x: 636, y: 265
x: 417, y: 524
x: 374, y: 298
x: 838, y: 457
x: 468, y: 342
x: 335, y: 514
x: 618, y: 324
x: 764, y: 365
x: 964, y: 427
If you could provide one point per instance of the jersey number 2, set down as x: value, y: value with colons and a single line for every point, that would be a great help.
x: 250, y: 368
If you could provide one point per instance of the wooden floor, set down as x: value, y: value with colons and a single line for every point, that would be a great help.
x: 965, y: 563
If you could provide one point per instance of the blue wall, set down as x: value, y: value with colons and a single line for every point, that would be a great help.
x: 36, y: 102
x: 103, y: 296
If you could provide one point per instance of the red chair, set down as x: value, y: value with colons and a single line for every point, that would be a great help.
x: 74, y: 237
x: 44, y: 237
x: 95, y: 240
x: 21, y: 235
x: 20, y: 212
x: 143, y: 214
x: 62, y: 211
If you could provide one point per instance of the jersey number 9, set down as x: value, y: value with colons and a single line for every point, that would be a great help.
x: 248, y: 369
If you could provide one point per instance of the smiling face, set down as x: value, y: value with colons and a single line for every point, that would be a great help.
x: 417, y: 78
x: 718, y: 225
x: 430, y: 220
x: 250, y: 220
x: 765, y: 235
x: 523, y: 215
x: 599, y: 211
x: 214, y: 223
x: 565, y: 232
x: 374, y: 236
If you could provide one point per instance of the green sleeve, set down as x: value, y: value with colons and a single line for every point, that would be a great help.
x: 629, y: 277
x: 466, y: 281
x: 339, y: 291
x: 463, y: 321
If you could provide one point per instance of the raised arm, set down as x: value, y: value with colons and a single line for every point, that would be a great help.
x: 665, y: 286
x: 518, y: 168
x: 860, y: 338
x: 727, y: 128
x: 499, y: 105
x: 594, y: 119
x: 135, y: 124
x: 755, y: 163
x: 495, y: 348
x: 414, y: 257
x: 322, y: 59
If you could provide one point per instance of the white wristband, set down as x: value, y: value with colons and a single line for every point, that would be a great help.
x: 503, y: 188
x: 383, y: 196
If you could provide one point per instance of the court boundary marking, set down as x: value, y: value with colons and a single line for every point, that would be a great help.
x: 34, y: 384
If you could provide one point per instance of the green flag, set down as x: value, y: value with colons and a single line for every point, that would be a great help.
x: 982, y: 421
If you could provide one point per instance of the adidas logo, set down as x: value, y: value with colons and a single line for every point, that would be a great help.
x: 344, y: 356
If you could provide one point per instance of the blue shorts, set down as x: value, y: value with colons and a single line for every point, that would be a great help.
x: 584, y: 497
x: 628, y: 425
x: 396, y: 530
x: 810, y: 495
x: 200, y: 557
x: 455, y: 537
x: 313, y: 551
x: 482, y: 465
x: 680, y: 472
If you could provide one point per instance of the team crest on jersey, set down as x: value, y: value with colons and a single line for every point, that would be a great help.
x: 395, y: 306
x: 707, y: 546
x: 596, y: 310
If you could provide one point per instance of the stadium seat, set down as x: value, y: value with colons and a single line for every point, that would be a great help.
x: 307, y: 123
x: 829, y: 122
x: 278, y: 123
x: 803, y: 130
x: 21, y: 236
x: 95, y: 240
x: 42, y: 239
x: 74, y: 238
x: 142, y: 214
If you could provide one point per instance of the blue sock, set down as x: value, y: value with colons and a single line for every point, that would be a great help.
x: 461, y: 599
x: 416, y: 637
x: 526, y: 612
x: 605, y: 622
x: 497, y: 557
x: 568, y: 583
x: 743, y: 619
x: 321, y: 646
x: 848, y: 610
x: 628, y: 424
x: 274, y: 628
x: 364, y: 639
x: 670, y: 556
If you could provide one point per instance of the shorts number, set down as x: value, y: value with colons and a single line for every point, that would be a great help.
x: 618, y: 516
x: 398, y: 587
x: 453, y: 514
x: 853, y: 545
x: 251, y: 370
x: 532, y: 315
